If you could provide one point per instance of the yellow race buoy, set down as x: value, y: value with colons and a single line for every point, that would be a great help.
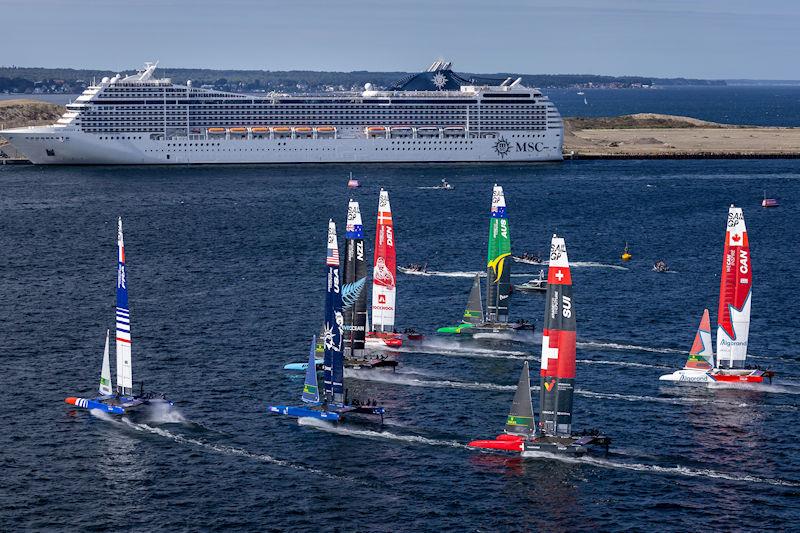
x: 626, y: 254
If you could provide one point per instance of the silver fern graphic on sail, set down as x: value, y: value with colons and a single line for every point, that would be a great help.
x: 351, y: 291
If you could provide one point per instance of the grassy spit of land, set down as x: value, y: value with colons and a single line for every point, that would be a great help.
x: 647, y: 135
x: 643, y: 135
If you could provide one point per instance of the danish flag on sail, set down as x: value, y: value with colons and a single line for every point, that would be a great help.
x: 384, y: 273
x: 735, y: 291
x: 558, y: 345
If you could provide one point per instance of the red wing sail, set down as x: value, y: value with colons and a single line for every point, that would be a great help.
x: 558, y: 346
x: 735, y: 290
x: 384, y: 274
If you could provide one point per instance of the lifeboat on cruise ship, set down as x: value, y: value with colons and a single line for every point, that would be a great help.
x: 401, y: 131
x: 282, y: 131
x: 427, y: 131
x: 375, y: 131
x: 303, y: 131
x: 259, y: 129
x: 453, y: 131
x: 216, y: 131
x: 324, y: 131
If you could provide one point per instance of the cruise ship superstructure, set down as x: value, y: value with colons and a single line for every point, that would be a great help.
x: 432, y: 116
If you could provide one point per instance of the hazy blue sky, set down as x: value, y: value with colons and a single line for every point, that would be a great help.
x: 693, y: 38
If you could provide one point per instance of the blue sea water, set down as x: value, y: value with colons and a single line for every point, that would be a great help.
x: 225, y: 272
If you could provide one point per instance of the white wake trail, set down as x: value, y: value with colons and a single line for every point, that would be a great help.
x: 399, y: 379
x: 626, y: 347
x: 366, y: 433
x: 620, y: 363
x: 217, y: 448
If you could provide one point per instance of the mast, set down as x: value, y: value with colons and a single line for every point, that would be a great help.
x: 384, y: 273
x: 105, y: 373
x: 473, y: 314
x: 520, y: 420
x: 333, y: 362
x: 735, y: 291
x: 355, y: 277
x: 558, y: 346
x: 498, y: 272
x: 123, y: 333
x: 310, y: 387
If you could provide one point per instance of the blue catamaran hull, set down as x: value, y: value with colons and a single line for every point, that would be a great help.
x: 304, y: 412
x: 118, y: 408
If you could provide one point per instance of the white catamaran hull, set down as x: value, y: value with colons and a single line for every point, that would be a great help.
x: 48, y: 145
x: 687, y: 376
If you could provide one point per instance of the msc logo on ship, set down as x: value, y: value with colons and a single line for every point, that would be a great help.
x: 503, y: 147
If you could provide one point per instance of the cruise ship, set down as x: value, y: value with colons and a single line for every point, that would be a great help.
x: 432, y: 116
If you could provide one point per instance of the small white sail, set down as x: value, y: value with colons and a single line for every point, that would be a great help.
x: 105, y: 373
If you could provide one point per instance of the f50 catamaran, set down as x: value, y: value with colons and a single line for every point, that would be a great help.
x: 384, y: 281
x: 733, y: 319
x: 554, y: 431
x: 498, y: 281
x: 122, y: 399
x: 333, y: 404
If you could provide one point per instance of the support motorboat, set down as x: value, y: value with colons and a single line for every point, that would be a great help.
x: 538, y: 284
x: 528, y: 258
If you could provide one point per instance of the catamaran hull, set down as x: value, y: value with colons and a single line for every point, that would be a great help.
x: 489, y: 332
x: 383, y: 340
x: 574, y: 446
x: 304, y: 412
x: 302, y: 367
x: 97, y: 403
x: 532, y: 450
x: 718, y: 376
x: 504, y: 442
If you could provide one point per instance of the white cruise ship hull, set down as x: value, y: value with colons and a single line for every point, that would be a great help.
x: 58, y: 146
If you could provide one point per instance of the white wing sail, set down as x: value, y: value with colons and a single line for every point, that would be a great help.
x: 105, y: 373
x: 123, y: 333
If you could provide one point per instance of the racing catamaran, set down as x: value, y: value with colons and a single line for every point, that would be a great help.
x: 498, y: 279
x: 122, y: 399
x: 384, y: 280
x: 733, y: 318
x: 333, y: 404
x: 553, y: 433
x: 354, y: 296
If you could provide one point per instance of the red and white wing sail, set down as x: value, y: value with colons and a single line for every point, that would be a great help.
x: 735, y: 292
x: 558, y: 345
x: 384, y: 271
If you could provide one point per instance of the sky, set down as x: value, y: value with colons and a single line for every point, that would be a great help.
x: 715, y: 39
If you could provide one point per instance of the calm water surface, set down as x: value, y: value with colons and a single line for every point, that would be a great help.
x: 225, y: 269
